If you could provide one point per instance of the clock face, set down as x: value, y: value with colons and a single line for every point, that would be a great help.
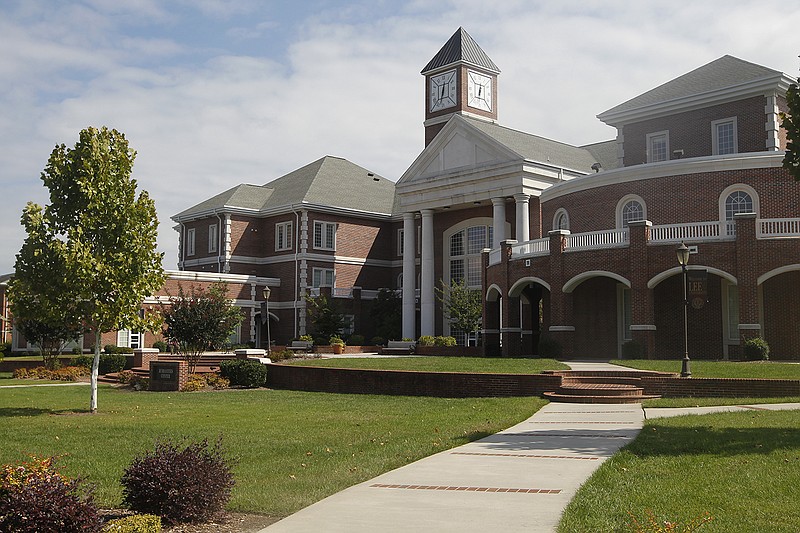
x: 443, y: 90
x: 479, y: 91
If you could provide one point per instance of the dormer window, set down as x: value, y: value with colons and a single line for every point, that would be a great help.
x: 723, y: 134
x: 657, y: 146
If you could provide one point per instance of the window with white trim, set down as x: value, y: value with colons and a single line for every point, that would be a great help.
x: 465, y: 254
x: 657, y: 146
x: 325, y: 235
x: 283, y: 236
x: 190, y: 241
x: 323, y: 277
x: 724, y: 136
x: 400, y: 244
x: 731, y: 304
x: 561, y: 220
x: 213, y: 237
x: 629, y: 209
x: 738, y: 202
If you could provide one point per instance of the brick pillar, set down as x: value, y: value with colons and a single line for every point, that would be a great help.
x: 561, y: 329
x: 510, y: 329
x: 491, y: 313
x: 529, y: 326
x: 143, y: 356
x: 747, y: 276
x: 357, y: 309
x: 643, y: 329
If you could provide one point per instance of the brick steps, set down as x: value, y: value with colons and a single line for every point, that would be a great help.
x: 611, y: 388
x: 208, y: 364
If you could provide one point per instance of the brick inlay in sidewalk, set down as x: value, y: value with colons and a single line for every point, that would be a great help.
x: 583, y: 422
x: 466, y: 489
x: 568, y: 435
x: 529, y: 455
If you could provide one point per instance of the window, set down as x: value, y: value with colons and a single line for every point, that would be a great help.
x: 738, y: 202
x: 213, y: 238
x: 631, y: 211
x: 323, y: 277
x: 732, y: 312
x: 283, y: 236
x: 325, y: 235
x: 190, y: 241
x: 657, y: 146
x: 400, y: 236
x: 724, y: 137
x: 561, y: 220
x: 465, y: 254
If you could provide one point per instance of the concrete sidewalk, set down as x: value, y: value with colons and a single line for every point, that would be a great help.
x: 520, y: 479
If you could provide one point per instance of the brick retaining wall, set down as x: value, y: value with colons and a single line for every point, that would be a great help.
x: 672, y: 387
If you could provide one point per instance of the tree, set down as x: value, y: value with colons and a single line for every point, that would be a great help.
x: 49, y: 337
x: 387, y: 314
x: 463, y: 306
x: 200, y: 321
x: 325, y: 319
x: 91, y: 253
x: 791, y: 123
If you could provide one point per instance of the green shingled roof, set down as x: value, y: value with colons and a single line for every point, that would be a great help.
x: 461, y: 48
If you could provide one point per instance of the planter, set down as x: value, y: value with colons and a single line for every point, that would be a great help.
x: 338, y: 349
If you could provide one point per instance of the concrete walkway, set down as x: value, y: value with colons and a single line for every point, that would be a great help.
x: 518, y: 480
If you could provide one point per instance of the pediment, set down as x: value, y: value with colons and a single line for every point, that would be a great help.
x: 458, y: 147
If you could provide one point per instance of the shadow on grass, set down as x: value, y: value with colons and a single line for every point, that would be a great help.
x: 10, y: 412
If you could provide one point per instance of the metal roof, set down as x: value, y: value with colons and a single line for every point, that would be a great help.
x: 461, y: 48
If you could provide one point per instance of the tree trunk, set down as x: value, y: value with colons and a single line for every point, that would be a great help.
x: 95, y: 370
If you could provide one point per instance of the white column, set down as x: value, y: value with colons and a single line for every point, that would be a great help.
x: 499, y: 221
x: 409, y: 277
x: 523, y: 217
x: 427, y: 296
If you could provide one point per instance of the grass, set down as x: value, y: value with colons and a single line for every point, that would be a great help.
x: 720, y: 369
x: 706, y: 402
x: 499, y: 365
x: 292, y: 448
x: 742, y: 468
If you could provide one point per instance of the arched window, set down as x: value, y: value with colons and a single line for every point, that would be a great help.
x: 561, y: 220
x: 629, y: 209
x: 738, y: 202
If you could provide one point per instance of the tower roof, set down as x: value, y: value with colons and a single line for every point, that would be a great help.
x: 461, y: 48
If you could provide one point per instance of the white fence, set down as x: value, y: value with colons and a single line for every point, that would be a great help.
x: 694, y: 232
x: 778, y: 228
x: 534, y: 248
x: 593, y: 240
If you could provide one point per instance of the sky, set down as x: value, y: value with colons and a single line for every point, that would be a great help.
x: 214, y: 93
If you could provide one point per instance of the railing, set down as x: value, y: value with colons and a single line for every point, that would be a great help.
x: 534, y: 248
x: 346, y: 292
x: 778, y: 228
x: 593, y: 240
x: 495, y: 257
x: 694, y: 232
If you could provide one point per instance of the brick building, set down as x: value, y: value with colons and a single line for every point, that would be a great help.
x: 573, y: 242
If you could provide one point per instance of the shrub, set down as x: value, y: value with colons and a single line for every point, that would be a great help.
x: 139, y: 383
x: 426, y: 340
x: 549, y: 347
x: 217, y: 382
x: 70, y: 373
x: 281, y: 355
x: 36, y: 497
x: 139, y: 523
x: 244, y: 373
x: 190, y: 483
x: 632, y: 350
x: 83, y: 360
x: 111, y: 362
x: 21, y: 373
x: 336, y: 340
x: 306, y: 338
x: 356, y: 340
x: 111, y: 349
x: 756, y: 349
x: 125, y: 377
x: 161, y: 346
x: 444, y: 341
x: 76, y: 351
x: 5, y: 347
x: 194, y: 383
x: 377, y: 341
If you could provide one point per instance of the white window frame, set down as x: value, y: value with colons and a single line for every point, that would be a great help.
x: 559, y: 213
x: 321, y: 230
x: 190, y: 237
x: 651, y: 137
x: 213, y: 238
x: 319, y: 277
x: 715, y: 135
x: 625, y: 201
x: 283, y: 232
x: 400, y: 244
x: 737, y: 187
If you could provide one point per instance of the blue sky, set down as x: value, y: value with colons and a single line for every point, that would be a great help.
x: 213, y: 93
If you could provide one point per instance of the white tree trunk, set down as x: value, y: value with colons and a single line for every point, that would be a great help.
x: 95, y: 370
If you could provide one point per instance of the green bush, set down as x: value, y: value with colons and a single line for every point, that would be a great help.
x: 632, y: 350
x: 35, y: 497
x: 138, y: 523
x: 356, y: 340
x: 244, y: 373
x: 83, y: 360
x: 444, y: 341
x: 112, y: 362
x: 77, y: 351
x: 756, y: 349
x: 161, y: 346
x: 549, y: 347
x: 111, y: 349
x: 377, y: 341
x: 195, y: 382
x: 5, y: 347
x: 306, y: 338
x: 187, y: 483
x: 426, y: 340
x: 336, y: 340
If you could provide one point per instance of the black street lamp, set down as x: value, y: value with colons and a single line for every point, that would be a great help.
x: 683, y: 259
x: 266, y: 292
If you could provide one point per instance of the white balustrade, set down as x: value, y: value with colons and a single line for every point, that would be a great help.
x: 534, y: 248
x: 594, y: 240
x: 494, y: 257
x: 778, y: 228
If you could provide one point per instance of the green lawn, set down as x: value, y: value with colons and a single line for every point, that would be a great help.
x: 293, y: 448
x: 743, y: 468
x: 721, y: 369
x: 497, y: 365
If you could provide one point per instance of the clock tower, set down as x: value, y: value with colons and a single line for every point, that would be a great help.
x: 460, y: 79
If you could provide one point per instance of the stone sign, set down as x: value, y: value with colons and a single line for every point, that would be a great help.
x: 164, y: 375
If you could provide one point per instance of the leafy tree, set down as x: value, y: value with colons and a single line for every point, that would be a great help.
x: 462, y: 306
x: 387, y: 314
x: 325, y: 319
x: 91, y: 253
x: 791, y: 123
x: 49, y: 337
x: 200, y: 321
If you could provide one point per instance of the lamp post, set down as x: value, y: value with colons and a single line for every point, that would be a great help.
x: 683, y: 259
x: 266, y: 292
